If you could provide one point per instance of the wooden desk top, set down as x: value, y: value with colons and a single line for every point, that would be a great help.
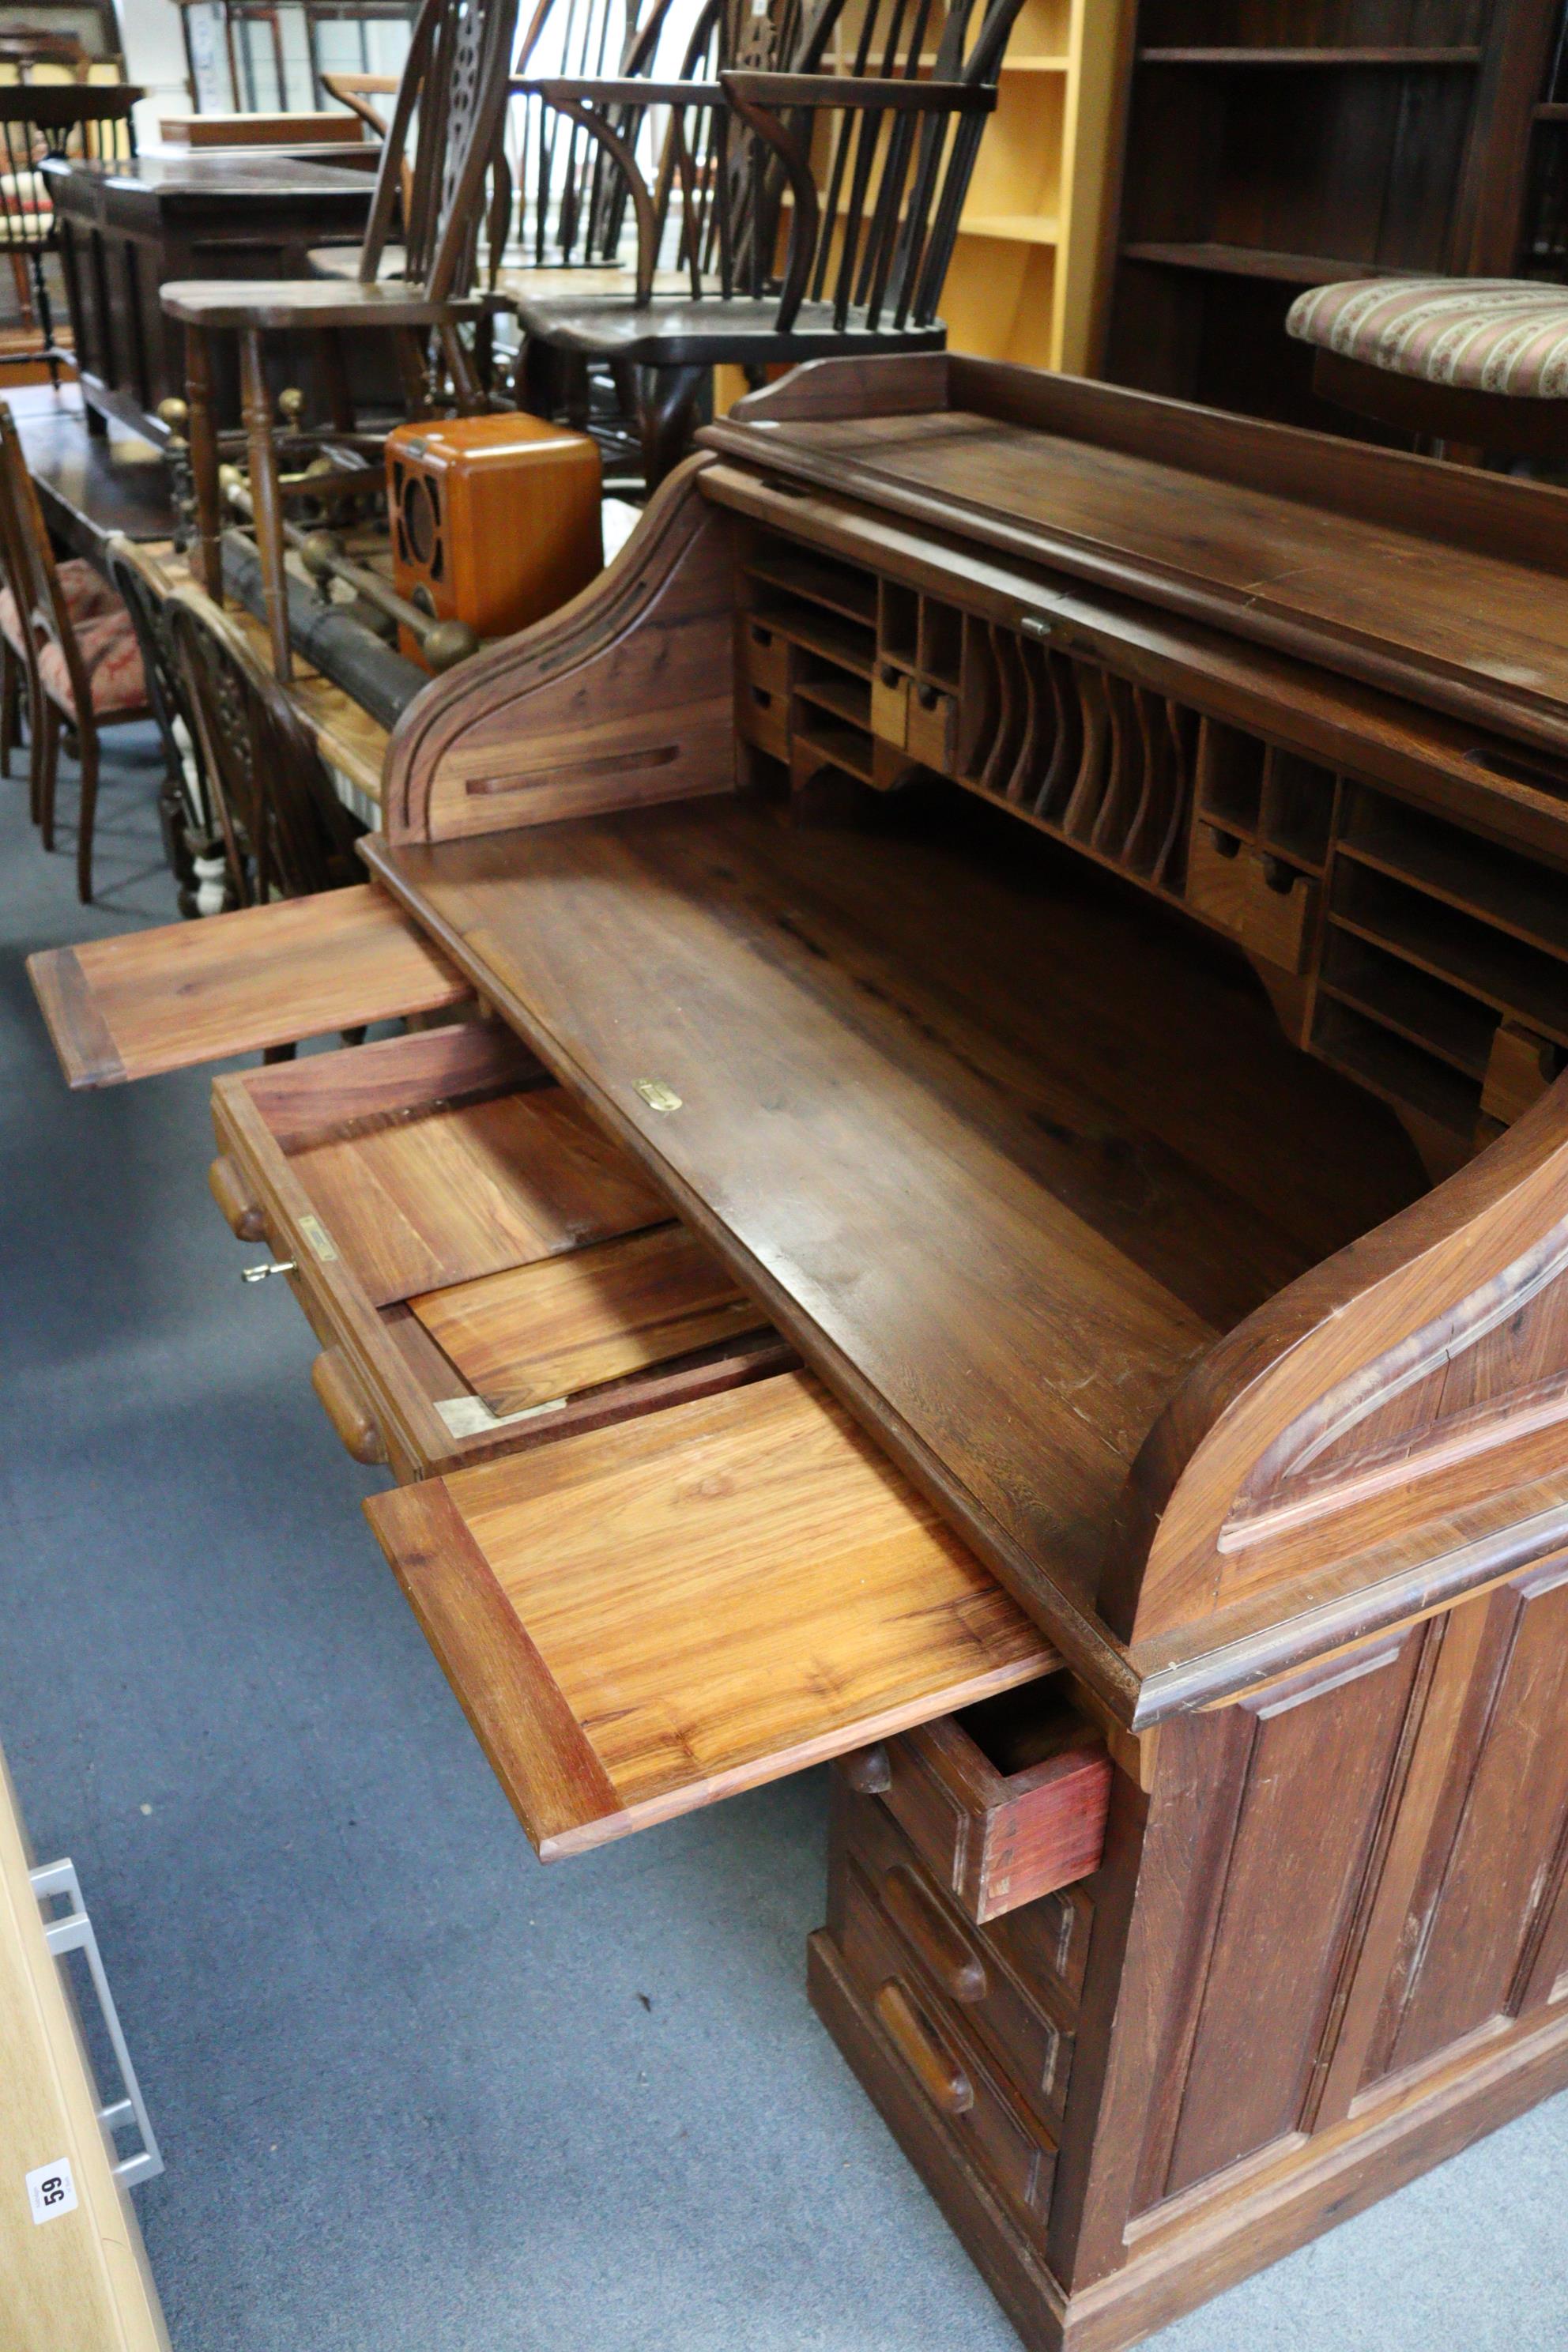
x: 999, y: 1205
x: 1287, y: 538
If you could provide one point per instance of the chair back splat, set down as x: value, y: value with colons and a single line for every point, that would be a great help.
x: 450, y: 108
x: 286, y: 832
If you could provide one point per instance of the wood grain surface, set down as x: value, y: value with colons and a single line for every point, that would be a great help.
x: 560, y: 1325
x: 714, y: 1596
x: 165, y: 1000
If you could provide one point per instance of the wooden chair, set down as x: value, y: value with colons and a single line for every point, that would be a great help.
x: 286, y: 832
x: 193, y: 844
x: 38, y: 119
x: 456, y: 82
x: 1464, y: 364
x: 84, y: 670
x: 865, y: 256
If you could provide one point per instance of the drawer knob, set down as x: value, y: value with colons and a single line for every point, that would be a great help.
x: 241, y: 1213
x: 931, y: 1937
x: 870, y: 1771
x: 337, y: 1391
x: 938, y: 2074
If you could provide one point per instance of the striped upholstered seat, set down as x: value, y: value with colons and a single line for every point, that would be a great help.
x: 1502, y: 335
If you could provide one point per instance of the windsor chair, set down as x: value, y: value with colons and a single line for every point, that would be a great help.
x: 449, y: 104
x: 859, y: 178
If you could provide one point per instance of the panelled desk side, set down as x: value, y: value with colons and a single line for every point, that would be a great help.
x: 1158, y: 1313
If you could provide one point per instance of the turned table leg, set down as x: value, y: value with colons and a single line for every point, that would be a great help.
x: 266, y: 503
x: 201, y: 427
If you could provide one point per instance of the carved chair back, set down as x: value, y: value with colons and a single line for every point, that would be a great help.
x: 186, y: 806
x: 286, y: 832
x: 447, y: 115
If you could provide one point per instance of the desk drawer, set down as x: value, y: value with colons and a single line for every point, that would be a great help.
x: 1032, y: 2043
x: 484, y: 1270
x: 1003, y: 1804
x: 933, y: 2045
x: 646, y: 1617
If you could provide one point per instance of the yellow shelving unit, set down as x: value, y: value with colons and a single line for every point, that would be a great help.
x: 1022, y: 282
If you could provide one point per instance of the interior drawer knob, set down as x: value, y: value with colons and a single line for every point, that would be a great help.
x: 868, y: 1772
x: 931, y: 1937
x: 939, y: 2073
x: 339, y: 1396
x: 241, y: 1211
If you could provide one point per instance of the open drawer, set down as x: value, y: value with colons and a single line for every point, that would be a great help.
x: 641, y: 1619
x: 484, y: 1268
x: 168, y: 999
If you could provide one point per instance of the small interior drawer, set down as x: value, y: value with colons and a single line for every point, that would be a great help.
x: 1033, y: 2043
x: 483, y: 1268
x: 763, y: 655
x: 1002, y: 1802
x: 934, y: 2047
x: 1267, y: 905
x: 643, y: 1618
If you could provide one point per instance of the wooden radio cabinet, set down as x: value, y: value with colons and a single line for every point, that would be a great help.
x: 1016, y: 1141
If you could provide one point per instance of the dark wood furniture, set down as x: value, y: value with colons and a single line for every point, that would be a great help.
x: 455, y: 85
x: 127, y: 229
x: 84, y: 675
x: 1007, y: 865
x: 284, y: 829
x: 37, y: 122
x: 1266, y: 149
x: 864, y: 254
x: 92, y: 486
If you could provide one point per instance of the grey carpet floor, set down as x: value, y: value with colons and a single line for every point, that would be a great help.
x: 415, y: 2093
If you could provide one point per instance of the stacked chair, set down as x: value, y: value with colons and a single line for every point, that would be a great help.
x: 802, y: 212
x: 70, y: 645
x: 454, y: 87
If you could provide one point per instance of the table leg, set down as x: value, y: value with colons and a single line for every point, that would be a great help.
x: 265, y: 504
x: 203, y: 428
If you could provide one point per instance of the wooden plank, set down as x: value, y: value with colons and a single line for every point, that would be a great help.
x: 168, y: 999
x: 471, y: 1188
x: 713, y: 1596
x: 560, y: 1325
x: 79, y: 2278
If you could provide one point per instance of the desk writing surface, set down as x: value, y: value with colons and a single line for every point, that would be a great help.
x: 1445, y: 614
x: 1000, y: 1203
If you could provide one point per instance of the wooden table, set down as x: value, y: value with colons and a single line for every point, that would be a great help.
x: 128, y: 228
x: 91, y: 484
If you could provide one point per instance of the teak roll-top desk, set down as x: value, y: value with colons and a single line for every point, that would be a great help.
x: 980, y: 1189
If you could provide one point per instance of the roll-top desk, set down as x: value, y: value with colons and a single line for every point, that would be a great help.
x: 980, y: 1190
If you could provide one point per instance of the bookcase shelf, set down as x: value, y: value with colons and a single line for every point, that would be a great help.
x: 1264, y: 151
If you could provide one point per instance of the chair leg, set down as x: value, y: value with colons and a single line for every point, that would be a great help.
x: 337, y: 393
x: 10, y: 699
x: 48, y: 732
x: 87, y: 808
x: 535, y: 378
x: 202, y: 428
x: 266, y: 501
x: 24, y: 290
x: 667, y: 417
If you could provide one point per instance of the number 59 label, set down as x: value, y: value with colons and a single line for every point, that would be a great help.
x: 51, y: 2191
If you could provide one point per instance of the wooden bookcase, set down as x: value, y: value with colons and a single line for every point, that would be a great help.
x: 1269, y: 145
x: 1544, y: 232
